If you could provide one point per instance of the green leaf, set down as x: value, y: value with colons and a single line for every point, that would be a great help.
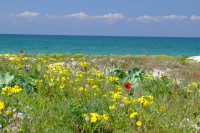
x: 6, y: 78
x: 107, y: 71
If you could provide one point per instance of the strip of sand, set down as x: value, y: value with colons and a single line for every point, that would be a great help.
x: 195, y: 58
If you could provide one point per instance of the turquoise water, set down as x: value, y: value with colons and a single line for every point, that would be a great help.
x: 103, y: 45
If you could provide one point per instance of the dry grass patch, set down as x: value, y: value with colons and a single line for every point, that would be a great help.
x: 178, y: 67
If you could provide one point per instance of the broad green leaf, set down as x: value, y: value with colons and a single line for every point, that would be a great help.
x: 6, y: 78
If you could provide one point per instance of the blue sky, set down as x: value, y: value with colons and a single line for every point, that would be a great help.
x: 170, y: 18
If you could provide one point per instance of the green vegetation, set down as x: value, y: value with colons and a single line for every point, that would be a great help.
x: 98, y: 94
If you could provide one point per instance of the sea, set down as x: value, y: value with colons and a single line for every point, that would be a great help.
x: 99, y: 45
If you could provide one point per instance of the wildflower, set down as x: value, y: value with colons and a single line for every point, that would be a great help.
x: 197, y: 74
x: 84, y: 115
x: 45, y: 76
x: 165, y: 76
x: 193, y: 84
x: 147, y: 76
x: 16, y: 89
x: 116, y: 95
x: 94, y: 87
x: 63, y: 79
x: 81, y: 88
x: 90, y: 80
x: 189, y: 91
x: 11, y: 90
x: 126, y: 100
x: 62, y: 86
x: 138, y: 123
x: 52, y: 79
x: 127, y: 85
x: 60, y: 72
x: 87, y: 118
x: 50, y: 84
x: 8, y: 112
x: 118, y: 87
x: 20, y: 130
x: 150, y: 97
x: 94, y: 117
x: 99, y: 74
x: 105, y: 117
x: 113, y: 79
x: 132, y: 115
x: 162, y: 109
x: 18, y: 116
x: 145, y: 103
x: 21, y: 51
x: 111, y: 107
x: 1, y: 105
x: 84, y: 64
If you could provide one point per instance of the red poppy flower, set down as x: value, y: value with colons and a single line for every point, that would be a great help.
x: 21, y: 51
x: 127, y: 85
x: 197, y: 74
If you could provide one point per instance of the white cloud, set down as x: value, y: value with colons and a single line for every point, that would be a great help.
x: 193, y: 17
x: 111, y: 16
x: 28, y: 14
x: 146, y: 18
x: 174, y: 17
x: 80, y: 15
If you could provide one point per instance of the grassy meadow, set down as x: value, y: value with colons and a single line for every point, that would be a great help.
x: 57, y: 93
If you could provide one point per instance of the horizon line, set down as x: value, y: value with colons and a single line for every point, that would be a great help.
x: 97, y: 35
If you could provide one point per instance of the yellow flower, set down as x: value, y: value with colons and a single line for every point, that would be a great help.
x: 84, y: 115
x: 71, y: 82
x: 111, y: 107
x: 126, y: 100
x: 50, y: 84
x: 17, y: 89
x: 93, y: 119
x: 138, y: 123
x: 113, y: 79
x: 84, y: 64
x: 105, y: 117
x: 132, y: 115
x: 147, y: 76
x: 63, y: 79
x: 52, y: 79
x: 193, y: 84
x: 99, y: 74
x: 80, y: 88
x: 11, y: 90
x: 94, y: 87
x: 117, y: 95
x: 145, y: 103
x: 162, y: 109
x: 150, y: 97
x: 60, y: 72
x: 62, y: 86
x: 90, y: 80
x: 45, y: 76
x: 1, y: 105
x: 8, y: 112
x: 20, y: 130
